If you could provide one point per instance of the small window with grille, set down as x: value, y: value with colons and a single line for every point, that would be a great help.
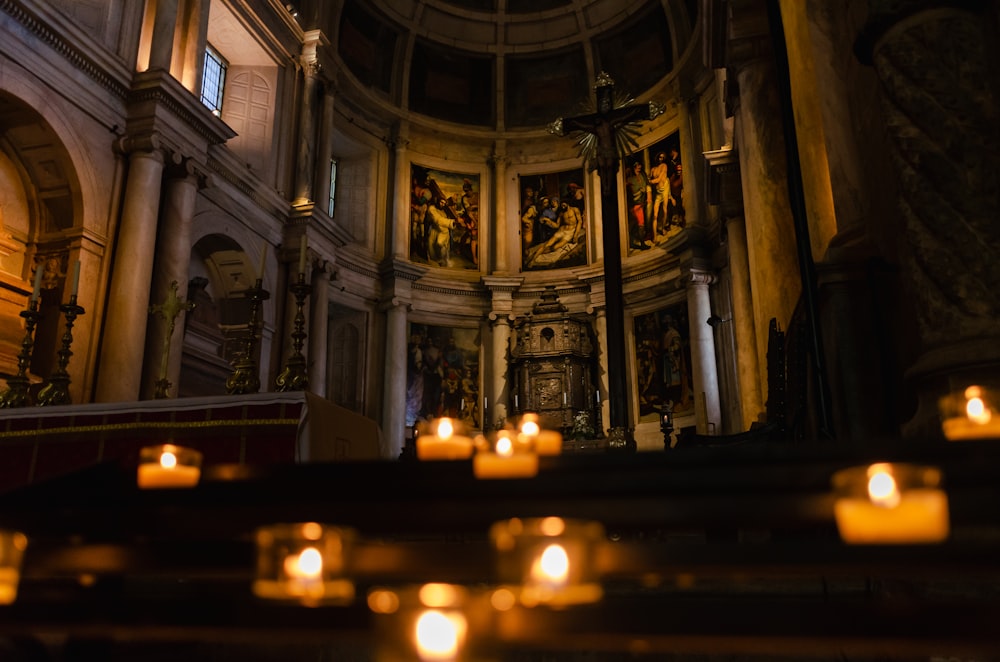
x: 213, y: 81
x: 333, y: 187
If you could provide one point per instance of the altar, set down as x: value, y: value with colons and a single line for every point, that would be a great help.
x: 38, y: 443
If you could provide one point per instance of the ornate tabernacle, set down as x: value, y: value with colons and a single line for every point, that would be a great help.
x: 551, y: 367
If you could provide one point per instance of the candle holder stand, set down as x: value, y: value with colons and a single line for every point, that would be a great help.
x: 246, y: 373
x: 294, y: 377
x: 16, y: 394
x: 56, y: 392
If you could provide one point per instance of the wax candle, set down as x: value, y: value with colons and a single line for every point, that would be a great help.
x: 76, y: 279
x: 168, y: 466
x: 548, y: 442
x: 37, y: 288
x: 444, y: 443
x: 12, y: 546
x: 891, y: 504
x: 304, y: 562
x: 971, y: 414
x: 504, y: 462
x: 302, y: 254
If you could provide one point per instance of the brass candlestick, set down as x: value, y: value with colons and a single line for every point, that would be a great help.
x: 56, y: 392
x: 16, y: 394
x: 294, y: 376
x: 246, y: 374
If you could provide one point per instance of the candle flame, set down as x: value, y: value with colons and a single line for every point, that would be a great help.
x: 552, y: 565
x: 439, y: 635
x: 882, y: 489
x: 977, y: 411
x: 308, y: 564
x: 168, y: 460
x: 504, y: 447
x: 530, y: 428
x: 445, y: 428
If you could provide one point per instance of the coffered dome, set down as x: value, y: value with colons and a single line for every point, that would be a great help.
x: 507, y: 64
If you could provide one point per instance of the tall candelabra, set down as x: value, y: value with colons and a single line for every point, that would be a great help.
x: 56, y: 392
x: 294, y: 377
x: 246, y: 374
x: 16, y: 394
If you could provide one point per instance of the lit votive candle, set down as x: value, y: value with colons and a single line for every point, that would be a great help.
x: 890, y: 504
x: 549, y: 560
x: 12, y: 546
x: 531, y: 435
x: 445, y: 443
x: 304, y: 562
x: 971, y: 414
x: 168, y: 466
x: 505, y: 462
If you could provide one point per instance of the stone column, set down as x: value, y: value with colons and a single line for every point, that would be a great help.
x: 162, y: 44
x: 601, y: 329
x: 940, y: 100
x: 325, y: 154
x: 704, y: 370
x: 771, y: 250
x: 500, y: 232
x: 747, y: 366
x: 499, y: 409
x: 394, y: 394
x: 401, y: 191
x: 173, y: 257
x: 124, y: 332
x: 305, y: 159
x: 319, y: 322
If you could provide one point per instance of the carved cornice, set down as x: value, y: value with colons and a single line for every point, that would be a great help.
x: 74, y: 56
x: 159, y: 88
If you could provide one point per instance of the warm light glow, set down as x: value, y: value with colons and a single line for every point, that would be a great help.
x: 312, y: 531
x: 882, y: 488
x: 503, y: 599
x: 308, y: 564
x: 505, y: 447
x: 445, y: 428
x: 552, y: 526
x: 168, y: 460
x: 383, y: 601
x: 977, y: 411
x: 530, y: 428
x: 552, y: 566
x: 438, y: 595
x: 439, y: 635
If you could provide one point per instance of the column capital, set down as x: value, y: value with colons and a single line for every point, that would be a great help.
x: 150, y: 142
x: 395, y: 303
x: 698, y: 278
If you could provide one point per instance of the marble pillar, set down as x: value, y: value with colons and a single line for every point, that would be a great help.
x: 500, y: 229
x: 401, y: 220
x: 325, y: 153
x: 705, y: 377
x: 173, y: 257
x: 305, y: 160
x: 394, y: 394
x: 120, y: 370
x: 319, y: 322
x: 936, y: 62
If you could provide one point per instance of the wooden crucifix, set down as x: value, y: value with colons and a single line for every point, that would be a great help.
x: 606, y: 137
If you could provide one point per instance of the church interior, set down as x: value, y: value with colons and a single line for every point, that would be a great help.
x: 736, y: 261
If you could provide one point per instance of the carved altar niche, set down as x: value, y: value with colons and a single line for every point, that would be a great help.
x: 551, y: 364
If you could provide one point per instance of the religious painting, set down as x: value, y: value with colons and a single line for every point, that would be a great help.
x: 552, y: 216
x: 442, y: 374
x: 654, y: 194
x: 663, y: 361
x: 444, y: 218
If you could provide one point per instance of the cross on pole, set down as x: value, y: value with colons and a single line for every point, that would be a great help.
x: 605, y: 136
x: 169, y: 310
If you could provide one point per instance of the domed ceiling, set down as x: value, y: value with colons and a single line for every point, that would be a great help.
x: 508, y: 64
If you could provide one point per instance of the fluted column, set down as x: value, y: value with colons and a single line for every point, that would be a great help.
x: 173, y: 257
x: 937, y: 65
x: 705, y: 376
x: 122, y: 344
x: 325, y: 153
x: 394, y: 394
x: 319, y: 322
